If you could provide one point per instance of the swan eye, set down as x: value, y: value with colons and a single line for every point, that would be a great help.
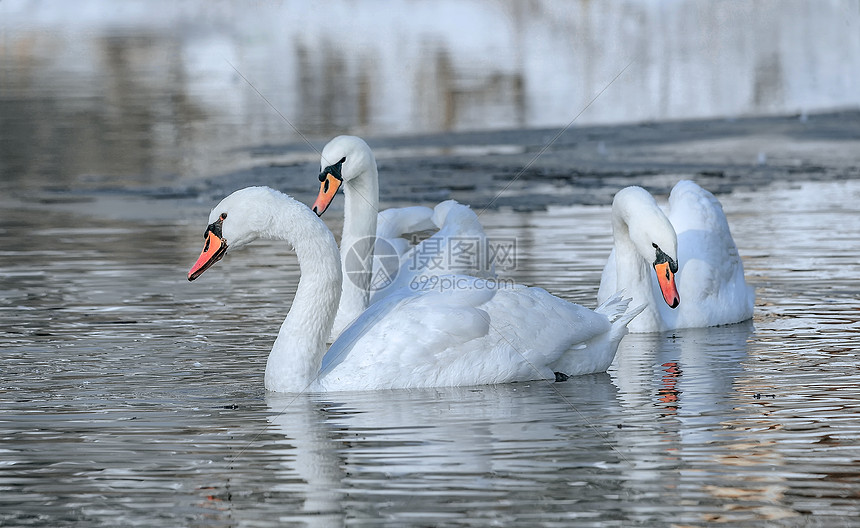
x: 333, y: 170
x: 215, y: 229
x: 663, y: 258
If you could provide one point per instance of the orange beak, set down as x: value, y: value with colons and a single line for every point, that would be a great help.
x: 666, y: 279
x: 329, y: 184
x: 212, y: 252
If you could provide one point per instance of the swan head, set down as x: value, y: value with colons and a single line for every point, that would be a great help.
x: 343, y: 159
x: 652, y: 235
x: 666, y: 267
x: 240, y: 218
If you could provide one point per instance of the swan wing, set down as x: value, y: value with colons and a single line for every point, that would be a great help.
x: 711, y: 277
x: 409, y: 338
x: 693, y: 208
x: 459, y: 246
x: 474, y: 333
x: 541, y: 328
x: 395, y: 222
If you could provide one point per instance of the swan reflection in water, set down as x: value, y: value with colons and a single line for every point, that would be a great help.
x: 689, y: 409
x: 398, y: 453
x: 683, y: 373
x: 651, y: 427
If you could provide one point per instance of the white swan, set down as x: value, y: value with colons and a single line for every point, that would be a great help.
x: 692, y: 239
x: 348, y: 162
x: 463, y: 332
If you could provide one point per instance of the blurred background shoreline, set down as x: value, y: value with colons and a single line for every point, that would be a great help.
x: 99, y: 95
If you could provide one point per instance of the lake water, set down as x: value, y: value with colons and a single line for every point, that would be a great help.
x: 132, y: 397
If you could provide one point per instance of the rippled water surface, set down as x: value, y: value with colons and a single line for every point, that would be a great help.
x: 132, y: 397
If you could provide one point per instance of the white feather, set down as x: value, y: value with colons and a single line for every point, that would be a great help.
x: 710, y: 276
x: 454, y: 224
x: 459, y: 330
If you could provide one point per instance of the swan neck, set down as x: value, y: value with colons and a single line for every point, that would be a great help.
x: 632, y: 268
x: 633, y: 271
x: 361, y: 206
x: 296, y: 356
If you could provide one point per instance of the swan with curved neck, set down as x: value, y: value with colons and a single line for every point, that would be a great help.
x: 263, y: 213
x: 348, y: 163
x: 466, y: 331
x: 683, y: 265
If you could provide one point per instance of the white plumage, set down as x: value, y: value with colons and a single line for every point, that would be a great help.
x: 694, y: 232
x: 459, y: 330
x: 431, y: 257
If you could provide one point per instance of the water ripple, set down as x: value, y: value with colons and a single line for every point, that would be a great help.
x: 134, y: 398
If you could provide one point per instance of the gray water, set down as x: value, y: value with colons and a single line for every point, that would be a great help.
x: 132, y: 397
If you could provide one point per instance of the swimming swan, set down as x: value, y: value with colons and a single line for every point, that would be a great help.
x: 348, y: 163
x: 468, y: 331
x: 682, y: 264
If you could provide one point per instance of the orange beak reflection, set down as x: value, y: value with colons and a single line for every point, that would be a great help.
x: 212, y: 252
x: 666, y: 279
x: 329, y: 184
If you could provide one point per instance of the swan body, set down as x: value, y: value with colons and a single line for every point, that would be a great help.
x: 460, y: 331
x: 347, y: 162
x: 693, y: 237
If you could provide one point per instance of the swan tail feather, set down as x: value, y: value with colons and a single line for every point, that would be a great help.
x: 617, y: 310
x: 619, y: 326
x: 614, y: 307
x: 596, y: 354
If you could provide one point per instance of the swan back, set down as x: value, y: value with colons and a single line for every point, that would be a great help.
x: 473, y: 332
x: 712, y: 277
